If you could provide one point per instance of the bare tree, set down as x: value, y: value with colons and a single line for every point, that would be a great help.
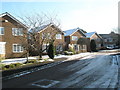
x: 36, y: 39
x: 23, y: 39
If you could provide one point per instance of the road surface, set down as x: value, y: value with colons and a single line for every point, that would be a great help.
x: 94, y: 71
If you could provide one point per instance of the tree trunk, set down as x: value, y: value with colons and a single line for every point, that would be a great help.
x: 27, y: 55
x: 40, y: 55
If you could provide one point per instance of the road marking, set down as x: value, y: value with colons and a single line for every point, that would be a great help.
x: 45, y: 83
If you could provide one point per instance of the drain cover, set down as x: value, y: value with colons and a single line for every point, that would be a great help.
x: 45, y: 83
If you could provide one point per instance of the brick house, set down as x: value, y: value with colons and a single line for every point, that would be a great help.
x: 94, y: 36
x: 51, y: 32
x: 110, y: 40
x: 11, y: 36
x: 72, y: 37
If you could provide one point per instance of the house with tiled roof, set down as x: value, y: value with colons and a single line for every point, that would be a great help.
x: 72, y: 37
x: 11, y: 36
x: 95, y: 36
x: 48, y: 32
x: 110, y: 40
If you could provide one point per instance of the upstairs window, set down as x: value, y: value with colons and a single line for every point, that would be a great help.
x: 46, y: 36
x: 74, y: 38
x: 17, y: 31
x: 1, y: 30
x: 105, y: 40
x: 58, y: 36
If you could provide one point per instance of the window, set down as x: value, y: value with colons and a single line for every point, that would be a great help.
x: 74, y: 38
x: 2, y: 47
x: 98, y: 39
x: 110, y: 39
x: 17, y: 31
x: 17, y: 48
x: 1, y: 30
x: 59, y: 48
x: 58, y: 36
x: 84, y: 47
x: 46, y: 36
x: 76, y: 47
x: 105, y: 40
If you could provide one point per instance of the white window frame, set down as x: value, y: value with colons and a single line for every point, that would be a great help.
x: 75, y: 47
x: 17, y: 31
x: 59, y: 48
x: 105, y: 40
x: 15, y: 50
x: 84, y: 47
x: 2, y: 45
x: 1, y: 30
x: 58, y: 36
x: 74, y: 38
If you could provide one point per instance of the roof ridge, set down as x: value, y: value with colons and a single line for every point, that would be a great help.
x: 6, y: 13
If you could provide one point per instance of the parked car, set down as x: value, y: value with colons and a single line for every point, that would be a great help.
x: 110, y: 47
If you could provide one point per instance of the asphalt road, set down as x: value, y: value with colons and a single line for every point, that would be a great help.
x: 95, y: 71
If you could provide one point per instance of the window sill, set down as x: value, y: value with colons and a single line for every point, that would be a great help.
x: 18, y: 52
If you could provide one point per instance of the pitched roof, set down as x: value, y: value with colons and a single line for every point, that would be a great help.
x: 88, y: 35
x: 43, y: 27
x: 9, y: 15
x: 71, y: 31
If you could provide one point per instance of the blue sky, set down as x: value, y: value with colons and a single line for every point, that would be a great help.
x: 91, y: 15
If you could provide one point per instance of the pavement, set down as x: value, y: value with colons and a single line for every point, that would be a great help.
x: 22, y: 60
x: 98, y: 70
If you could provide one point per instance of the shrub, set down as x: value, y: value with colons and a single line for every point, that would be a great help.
x: 68, y: 53
x: 12, y: 66
x: 93, y: 46
x: 32, y: 61
x: 46, y: 59
x: 17, y: 64
x: 51, y: 50
x: 2, y: 58
x: 7, y: 66
x: 71, y: 50
x: 65, y: 52
x: 2, y: 66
